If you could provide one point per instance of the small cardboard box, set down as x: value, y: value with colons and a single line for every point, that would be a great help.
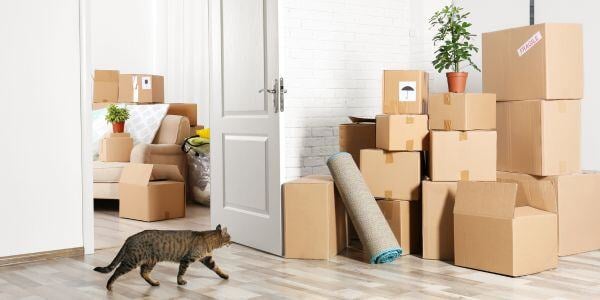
x: 106, y: 86
x: 402, y: 132
x: 493, y: 235
x: 356, y: 136
x: 151, y: 192
x: 575, y: 200
x: 543, y: 61
x: 463, y: 155
x: 404, y: 218
x: 450, y: 111
x: 193, y: 129
x: 438, y: 220
x: 314, y: 218
x: 116, y: 147
x: 141, y: 88
x: 392, y: 175
x: 539, y: 137
x: 405, y: 92
x: 189, y: 110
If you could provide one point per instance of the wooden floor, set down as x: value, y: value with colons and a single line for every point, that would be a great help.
x: 256, y: 275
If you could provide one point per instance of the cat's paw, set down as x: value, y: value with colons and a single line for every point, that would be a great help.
x: 181, y: 281
x: 224, y: 276
x: 155, y: 283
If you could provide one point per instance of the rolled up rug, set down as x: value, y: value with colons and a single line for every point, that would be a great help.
x: 372, y: 227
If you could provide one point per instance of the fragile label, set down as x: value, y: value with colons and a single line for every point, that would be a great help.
x: 146, y: 83
x: 529, y: 44
x: 407, y: 91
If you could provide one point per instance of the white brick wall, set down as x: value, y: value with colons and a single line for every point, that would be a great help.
x: 332, y: 56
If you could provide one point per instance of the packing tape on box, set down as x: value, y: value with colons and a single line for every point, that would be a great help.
x: 389, y: 158
x: 410, y: 120
x: 410, y: 145
x: 562, y: 107
x: 387, y: 194
x: 447, y: 99
x: 447, y: 124
x: 463, y: 136
x: 464, y: 175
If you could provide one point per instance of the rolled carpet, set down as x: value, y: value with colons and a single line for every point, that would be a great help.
x: 372, y: 227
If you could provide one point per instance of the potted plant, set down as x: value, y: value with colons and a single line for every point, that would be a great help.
x: 455, y: 46
x: 117, y: 116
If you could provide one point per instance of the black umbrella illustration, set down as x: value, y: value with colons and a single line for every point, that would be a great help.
x: 407, y: 90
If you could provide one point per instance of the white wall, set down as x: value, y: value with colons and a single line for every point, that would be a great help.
x: 586, y: 13
x: 40, y: 182
x: 166, y: 37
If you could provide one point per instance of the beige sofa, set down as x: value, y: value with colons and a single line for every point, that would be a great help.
x: 165, y: 149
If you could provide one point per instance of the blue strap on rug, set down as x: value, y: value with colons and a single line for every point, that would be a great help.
x: 386, y: 256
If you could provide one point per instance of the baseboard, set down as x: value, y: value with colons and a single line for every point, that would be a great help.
x: 31, y: 257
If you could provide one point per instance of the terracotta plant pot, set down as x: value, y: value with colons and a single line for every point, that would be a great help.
x: 457, y: 81
x: 118, y: 127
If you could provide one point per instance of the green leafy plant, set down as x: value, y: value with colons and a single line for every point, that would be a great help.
x: 454, y: 39
x: 116, y: 114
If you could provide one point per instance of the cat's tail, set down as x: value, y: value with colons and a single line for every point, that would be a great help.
x: 114, y: 263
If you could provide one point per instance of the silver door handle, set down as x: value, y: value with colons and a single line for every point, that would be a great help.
x: 275, y: 92
x: 267, y: 90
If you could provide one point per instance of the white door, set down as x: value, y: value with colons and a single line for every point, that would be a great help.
x: 245, y: 132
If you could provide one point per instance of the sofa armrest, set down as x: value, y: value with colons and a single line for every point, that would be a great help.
x: 168, y: 154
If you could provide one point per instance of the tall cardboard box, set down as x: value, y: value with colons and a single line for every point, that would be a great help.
x: 452, y: 111
x: 116, y: 147
x: 141, y: 88
x: 405, y: 92
x: 438, y: 220
x: 539, y: 137
x: 189, y: 110
x: 493, y: 235
x: 463, y: 155
x: 402, y: 132
x: 404, y: 218
x: 151, y: 192
x: 106, y: 86
x: 392, y: 175
x: 574, y: 198
x: 356, y: 136
x: 314, y: 218
x: 543, y: 61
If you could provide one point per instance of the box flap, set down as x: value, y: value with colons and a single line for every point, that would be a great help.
x: 361, y: 119
x: 166, y: 172
x: 142, y: 174
x: 486, y: 199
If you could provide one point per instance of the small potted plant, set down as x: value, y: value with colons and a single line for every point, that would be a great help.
x: 117, y: 116
x: 455, y: 46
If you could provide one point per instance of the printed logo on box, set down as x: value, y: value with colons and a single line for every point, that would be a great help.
x: 529, y: 44
x: 407, y: 91
x: 146, y: 83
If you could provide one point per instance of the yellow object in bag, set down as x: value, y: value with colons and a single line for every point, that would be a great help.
x: 203, y: 133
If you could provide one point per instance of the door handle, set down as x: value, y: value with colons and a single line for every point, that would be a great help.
x: 275, y: 92
x: 282, y: 91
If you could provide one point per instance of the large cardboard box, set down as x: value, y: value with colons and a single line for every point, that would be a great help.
x: 463, y: 155
x: 574, y: 197
x: 404, y: 218
x: 438, y: 220
x: 392, y: 175
x: 402, y: 132
x: 141, y: 88
x: 314, y: 218
x: 451, y: 111
x: 405, y: 92
x: 543, y: 61
x: 151, y: 192
x: 189, y: 110
x: 357, y: 136
x: 106, y: 86
x: 98, y: 105
x: 493, y: 235
x: 116, y: 147
x: 539, y: 137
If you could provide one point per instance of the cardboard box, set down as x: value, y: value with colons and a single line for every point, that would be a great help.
x: 106, y: 86
x: 539, y: 137
x: 314, y: 219
x: 402, y: 132
x: 189, y: 110
x: 543, y: 61
x: 575, y: 199
x: 357, y: 136
x: 151, y: 192
x: 463, y: 155
x: 392, y: 175
x: 141, y: 88
x: 404, y: 218
x: 116, y: 147
x: 97, y: 106
x: 450, y: 111
x: 438, y: 220
x: 194, y: 128
x: 493, y: 235
x: 405, y: 92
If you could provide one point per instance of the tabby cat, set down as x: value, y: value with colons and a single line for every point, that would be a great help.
x: 149, y: 247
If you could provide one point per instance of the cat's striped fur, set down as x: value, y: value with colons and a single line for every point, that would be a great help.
x: 149, y: 247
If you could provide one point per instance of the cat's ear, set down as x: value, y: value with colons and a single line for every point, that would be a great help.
x: 225, y: 229
x: 219, y: 227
